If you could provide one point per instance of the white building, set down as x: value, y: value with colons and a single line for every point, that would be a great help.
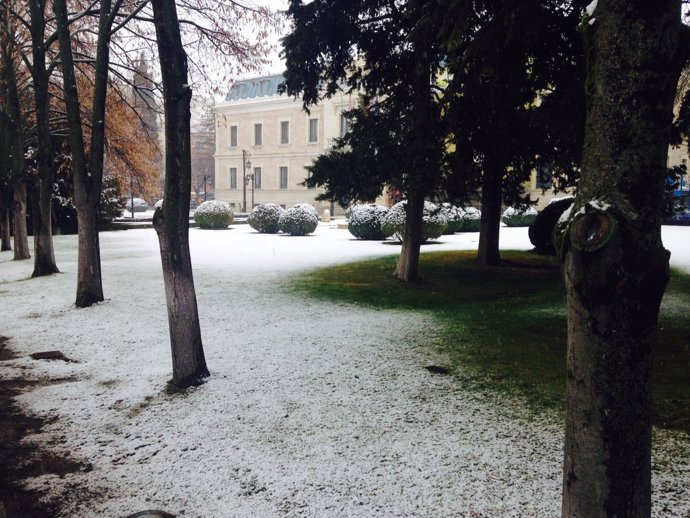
x: 277, y: 140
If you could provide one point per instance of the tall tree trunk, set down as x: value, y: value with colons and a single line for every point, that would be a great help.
x: 171, y: 221
x: 490, y: 223
x: 407, y: 269
x: 21, y: 239
x: 5, y: 237
x: 88, y: 175
x: 44, y: 254
x: 615, y: 266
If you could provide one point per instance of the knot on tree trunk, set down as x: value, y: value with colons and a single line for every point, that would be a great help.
x: 592, y: 231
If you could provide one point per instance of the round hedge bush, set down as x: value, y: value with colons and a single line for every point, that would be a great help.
x: 541, y: 231
x: 310, y: 208
x: 264, y: 218
x: 365, y: 221
x: 433, y: 226
x: 470, y: 219
x: 298, y: 221
x: 454, y: 216
x: 213, y: 215
x: 514, y: 217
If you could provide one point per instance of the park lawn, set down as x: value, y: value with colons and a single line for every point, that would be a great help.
x: 504, y: 327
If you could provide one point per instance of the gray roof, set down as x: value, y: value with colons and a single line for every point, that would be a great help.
x: 256, y: 87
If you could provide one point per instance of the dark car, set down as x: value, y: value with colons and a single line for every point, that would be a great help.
x: 679, y: 218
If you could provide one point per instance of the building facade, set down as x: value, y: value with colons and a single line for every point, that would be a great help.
x: 265, y: 141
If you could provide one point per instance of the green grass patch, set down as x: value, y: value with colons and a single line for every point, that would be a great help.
x: 504, y: 327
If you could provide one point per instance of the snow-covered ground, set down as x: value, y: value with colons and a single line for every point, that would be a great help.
x: 312, y: 409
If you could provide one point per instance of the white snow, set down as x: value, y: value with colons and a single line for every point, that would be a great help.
x: 312, y: 408
x: 591, y: 7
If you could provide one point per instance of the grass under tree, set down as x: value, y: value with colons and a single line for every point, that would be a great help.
x: 505, y: 327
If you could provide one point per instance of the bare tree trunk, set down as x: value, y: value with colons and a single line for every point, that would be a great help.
x: 21, y: 239
x: 5, y: 237
x: 615, y: 266
x: 490, y: 224
x: 407, y: 269
x: 88, y: 174
x: 171, y: 221
x: 44, y: 255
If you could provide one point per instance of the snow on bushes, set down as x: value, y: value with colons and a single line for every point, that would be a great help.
x: 137, y: 205
x: 213, y: 215
x: 298, y: 221
x: 433, y: 226
x: 515, y: 217
x: 264, y: 218
x: 470, y: 219
x: 365, y: 221
x: 309, y: 207
x: 454, y: 216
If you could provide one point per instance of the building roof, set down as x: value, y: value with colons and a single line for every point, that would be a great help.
x: 256, y: 87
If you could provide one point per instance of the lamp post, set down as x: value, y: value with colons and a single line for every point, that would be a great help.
x: 205, y: 193
x: 246, y: 164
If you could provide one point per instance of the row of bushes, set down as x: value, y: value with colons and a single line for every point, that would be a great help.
x: 300, y: 220
x: 376, y: 222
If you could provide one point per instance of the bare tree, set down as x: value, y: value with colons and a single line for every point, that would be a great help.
x: 171, y: 221
x: 616, y: 268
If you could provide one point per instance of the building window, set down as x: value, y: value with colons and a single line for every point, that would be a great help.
x: 258, y: 140
x: 543, y: 178
x: 283, y: 177
x: 233, y: 136
x: 313, y: 130
x: 233, y: 178
x: 257, y: 178
x: 284, y: 132
x: 344, y: 125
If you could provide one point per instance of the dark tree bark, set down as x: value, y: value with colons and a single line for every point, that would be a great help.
x: 615, y: 266
x: 5, y: 238
x: 490, y: 223
x: 87, y: 172
x: 13, y: 142
x: 44, y: 254
x: 19, y: 227
x: 407, y: 269
x: 171, y: 221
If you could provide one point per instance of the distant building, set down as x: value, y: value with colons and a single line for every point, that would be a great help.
x: 277, y: 139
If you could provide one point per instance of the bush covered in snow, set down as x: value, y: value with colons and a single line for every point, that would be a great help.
x: 213, y: 215
x: 309, y: 207
x: 515, y: 217
x: 298, y: 221
x: 365, y: 221
x: 470, y: 219
x: 264, y: 218
x: 433, y: 226
x: 454, y: 216
x: 541, y: 231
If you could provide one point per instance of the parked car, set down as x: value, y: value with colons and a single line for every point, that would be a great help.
x: 679, y: 218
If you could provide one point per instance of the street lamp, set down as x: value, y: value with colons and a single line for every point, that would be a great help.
x: 206, y: 177
x: 246, y: 164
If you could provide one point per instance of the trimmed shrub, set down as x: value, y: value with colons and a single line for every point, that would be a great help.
x: 213, y: 215
x: 264, y: 218
x: 454, y: 216
x: 365, y: 221
x: 309, y: 207
x: 433, y: 226
x: 514, y: 217
x: 470, y: 219
x: 541, y: 231
x: 298, y: 221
